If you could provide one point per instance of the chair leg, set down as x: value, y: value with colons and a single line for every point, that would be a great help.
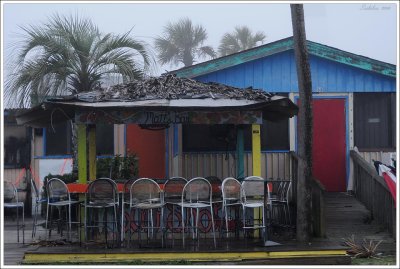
x: 213, y: 226
x: 225, y: 207
x: 23, y: 224
x: 122, y: 223
x: 183, y: 226
x: 17, y: 224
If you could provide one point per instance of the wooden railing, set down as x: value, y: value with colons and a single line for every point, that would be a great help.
x: 371, y: 190
x: 317, y: 198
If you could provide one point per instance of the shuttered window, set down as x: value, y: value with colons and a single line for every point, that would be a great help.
x: 211, y: 138
x: 375, y: 121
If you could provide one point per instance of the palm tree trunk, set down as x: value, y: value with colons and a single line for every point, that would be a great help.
x: 305, y: 121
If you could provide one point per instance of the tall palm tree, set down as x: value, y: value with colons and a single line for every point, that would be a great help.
x: 240, y: 39
x: 183, y: 43
x: 68, y: 55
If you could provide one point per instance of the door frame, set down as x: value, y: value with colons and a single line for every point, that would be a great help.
x: 349, y: 129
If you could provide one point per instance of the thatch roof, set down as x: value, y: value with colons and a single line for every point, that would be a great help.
x: 165, y: 93
x: 168, y: 87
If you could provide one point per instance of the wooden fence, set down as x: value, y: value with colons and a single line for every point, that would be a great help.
x: 371, y: 190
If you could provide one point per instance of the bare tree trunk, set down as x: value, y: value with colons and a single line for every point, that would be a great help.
x: 305, y: 121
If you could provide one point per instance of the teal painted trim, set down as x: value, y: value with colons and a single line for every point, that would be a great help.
x: 282, y: 45
x: 240, y: 153
x: 351, y: 59
x: 235, y: 59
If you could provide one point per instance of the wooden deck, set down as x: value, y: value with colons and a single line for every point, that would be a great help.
x: 228, y: 251
x: 346, y: 217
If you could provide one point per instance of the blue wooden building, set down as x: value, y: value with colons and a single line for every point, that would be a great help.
x: 354, y: 106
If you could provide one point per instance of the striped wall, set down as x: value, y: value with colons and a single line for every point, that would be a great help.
x: 274, y: 165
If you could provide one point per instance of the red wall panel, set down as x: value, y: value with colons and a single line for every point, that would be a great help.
x: 149, y: 146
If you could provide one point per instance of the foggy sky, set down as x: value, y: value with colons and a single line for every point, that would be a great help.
x: 365, y: 29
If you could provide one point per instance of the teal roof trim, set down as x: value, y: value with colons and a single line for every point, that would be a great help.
x: 235, y: 59
x: 351, y: 59
x: 282, y: 45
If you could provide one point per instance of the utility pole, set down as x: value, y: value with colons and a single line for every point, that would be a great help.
x: 305, y: 123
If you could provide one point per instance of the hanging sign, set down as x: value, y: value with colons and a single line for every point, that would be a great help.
x: 169, y: 117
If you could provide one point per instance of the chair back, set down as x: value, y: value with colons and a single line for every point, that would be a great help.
x: 145, y: 190
x: 216, y: 185
x: 198, y: 189
x: 253, y: 189
x: 10, y: 192
x: 231, y: 189
x: 287, y: 191
x: 57, y: 190
x: 102, y: 190
x: 34, y: 188
x: 127, y: 189
x: 173, y: 188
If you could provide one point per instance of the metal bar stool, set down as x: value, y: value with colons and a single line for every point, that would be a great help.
x: 11, y: 201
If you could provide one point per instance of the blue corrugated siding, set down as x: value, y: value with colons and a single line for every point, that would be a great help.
x: 277, y: 73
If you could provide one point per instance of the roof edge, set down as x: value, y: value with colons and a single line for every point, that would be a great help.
x: 314, y: 48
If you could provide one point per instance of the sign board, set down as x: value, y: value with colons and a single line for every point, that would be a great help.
x: 169, y: 117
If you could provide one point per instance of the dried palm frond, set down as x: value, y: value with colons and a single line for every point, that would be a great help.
x: 365, y: 250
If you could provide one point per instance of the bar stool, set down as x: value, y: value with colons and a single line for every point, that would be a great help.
x: 11, y: 201
x: 38, y: 201
x: 101, y: 194
x: 197, y: 194
x: 58, y: 196
x: 252, y: 196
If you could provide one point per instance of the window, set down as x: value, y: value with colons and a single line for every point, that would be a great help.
x: 202, y: 138
x: 59, y: 140
x: 375, y: 121
x: 105, y: 139
x: 16, y: 146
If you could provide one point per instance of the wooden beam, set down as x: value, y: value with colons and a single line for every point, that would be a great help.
x: 82, y: 155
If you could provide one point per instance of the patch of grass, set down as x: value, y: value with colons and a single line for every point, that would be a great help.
x: 383, y: 260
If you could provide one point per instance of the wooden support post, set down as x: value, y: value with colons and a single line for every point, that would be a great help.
x: 256, y: 149
x: 82, y: 165
x: 240, y: 152
x: 92, y: 151
x: 256, y: 154
x: 82, y: 155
